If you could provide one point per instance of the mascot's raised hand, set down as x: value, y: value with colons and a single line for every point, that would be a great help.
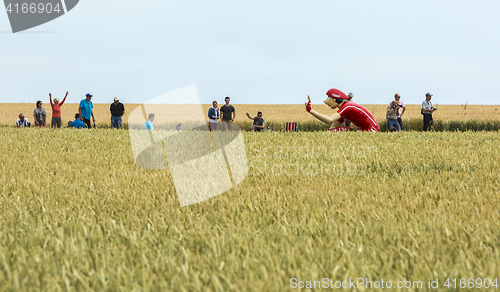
x: 308, y: 104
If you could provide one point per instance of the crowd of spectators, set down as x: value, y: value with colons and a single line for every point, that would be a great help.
x: 225, y: 115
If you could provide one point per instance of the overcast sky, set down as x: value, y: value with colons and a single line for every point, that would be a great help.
x: 260, y: 52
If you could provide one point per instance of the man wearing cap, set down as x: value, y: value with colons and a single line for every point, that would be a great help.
x: 117, y: 110
x: 427, y: 110
x: 85, y: 110
x: 347, y: 110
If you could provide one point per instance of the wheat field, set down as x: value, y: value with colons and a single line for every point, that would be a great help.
x: 275, y: 113
x: 77, y: 214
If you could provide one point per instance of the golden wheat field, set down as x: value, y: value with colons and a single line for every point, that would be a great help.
x: 275, y: 113
x: 317, y: 209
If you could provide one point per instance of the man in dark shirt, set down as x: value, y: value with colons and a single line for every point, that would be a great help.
x: 117, y: 110
x: 228, y: 114
x: 258, y: 122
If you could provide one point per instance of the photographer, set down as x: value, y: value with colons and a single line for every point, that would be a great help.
x: 401, y: 110
x: 392, y: 117
x: 427, y: 110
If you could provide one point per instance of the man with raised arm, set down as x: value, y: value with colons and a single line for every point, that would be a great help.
x: 351, y: 111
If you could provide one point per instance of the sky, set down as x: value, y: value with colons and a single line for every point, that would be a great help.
x: 258, y: 52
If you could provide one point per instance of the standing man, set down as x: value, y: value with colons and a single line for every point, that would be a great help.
x: 397, y: 98
x: 427, y: 110
x: 85, y: 110
x: 347, y: 110
x: 258, y: 122
x: 228, y: 114
x: 117, y: 110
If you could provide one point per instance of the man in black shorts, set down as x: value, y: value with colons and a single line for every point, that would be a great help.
x: 228, y: 114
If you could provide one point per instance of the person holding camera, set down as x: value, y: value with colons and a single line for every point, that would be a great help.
x: 392, y: 117
x: 427, y: 110
x: 401, y: 109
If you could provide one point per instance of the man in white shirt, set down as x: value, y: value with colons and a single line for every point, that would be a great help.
x: 427, y: 110
x: 22, y: 122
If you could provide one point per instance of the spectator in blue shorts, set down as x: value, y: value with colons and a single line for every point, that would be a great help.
x: 77, y: 123
x: 85, y: 110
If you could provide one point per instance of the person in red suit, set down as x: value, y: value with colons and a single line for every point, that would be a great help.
x: 350, y: 111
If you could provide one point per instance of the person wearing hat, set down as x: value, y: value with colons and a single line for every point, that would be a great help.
x: 56, y: 110
x: 357, y: 114
x: 427, y: 110
x: 117, y: 110
x: 85, y: 110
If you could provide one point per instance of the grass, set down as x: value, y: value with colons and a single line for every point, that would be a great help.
x: 77, y: 214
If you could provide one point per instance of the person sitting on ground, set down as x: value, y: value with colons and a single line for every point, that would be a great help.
x: 56, y: 110
x: 392, y: 117
x: 39, y: 115
x: 77, y: 123
x: 22, y: 122
x: 258, y: 122
x: 149, y: 123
